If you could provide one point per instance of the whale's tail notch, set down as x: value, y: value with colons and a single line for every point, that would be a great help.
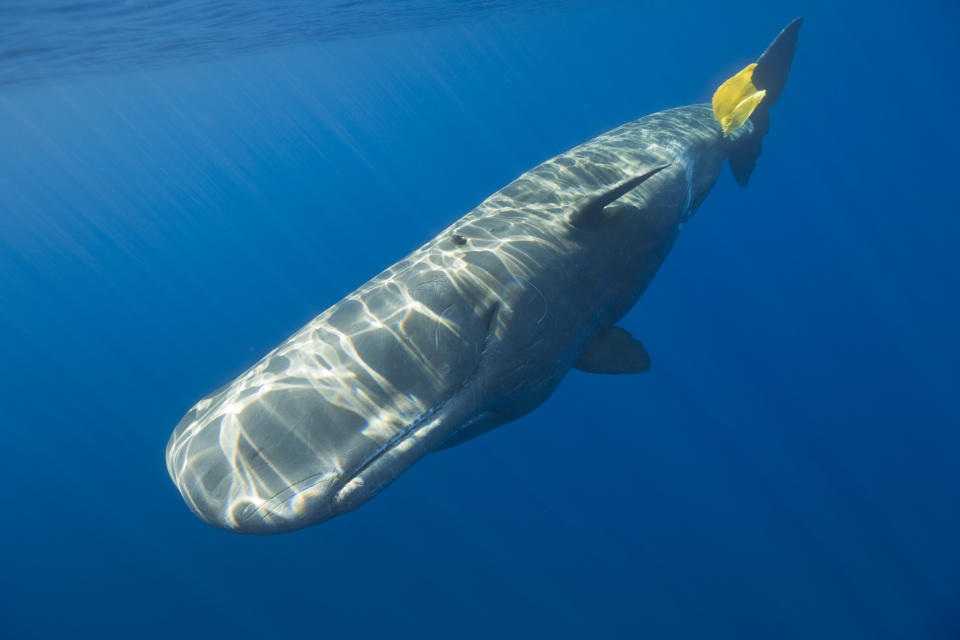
x: 749, y: 94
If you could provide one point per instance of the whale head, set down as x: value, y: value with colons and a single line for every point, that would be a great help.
x: 251, y: 464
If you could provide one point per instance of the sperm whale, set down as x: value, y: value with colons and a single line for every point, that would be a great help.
x: 474, y: 329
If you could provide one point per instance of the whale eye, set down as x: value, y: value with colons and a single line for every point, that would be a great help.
x: 459, y: 239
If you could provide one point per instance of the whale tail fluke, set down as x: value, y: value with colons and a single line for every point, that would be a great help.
x: 749, y: 94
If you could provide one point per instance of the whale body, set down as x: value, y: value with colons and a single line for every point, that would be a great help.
x: 471, y: 331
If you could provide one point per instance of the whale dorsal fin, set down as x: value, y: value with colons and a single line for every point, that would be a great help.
x: 614, y: 350
x: 589, y: 211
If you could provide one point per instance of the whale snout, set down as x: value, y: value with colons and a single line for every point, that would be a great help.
x: 230, y: 494
x: 269, y: 465
x: 271, y: 456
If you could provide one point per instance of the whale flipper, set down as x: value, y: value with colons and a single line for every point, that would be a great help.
x: 614, y: 350
x: 589, y: 211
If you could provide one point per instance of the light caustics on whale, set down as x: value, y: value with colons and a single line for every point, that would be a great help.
x: 474, y: 329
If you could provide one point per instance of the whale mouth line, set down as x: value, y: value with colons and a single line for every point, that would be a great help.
x: 393, y: 442
x: 340, y: 479
x: 295, y: 487
x: 335, y: 490
x: 423, y: 420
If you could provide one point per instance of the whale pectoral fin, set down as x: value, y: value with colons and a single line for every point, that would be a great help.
x: 589, y: 211
x: 614, y: 350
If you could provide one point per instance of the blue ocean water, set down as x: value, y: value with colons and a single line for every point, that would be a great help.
x: 183, y: 185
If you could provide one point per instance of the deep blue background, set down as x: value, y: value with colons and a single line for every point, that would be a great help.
x: 788, y: 469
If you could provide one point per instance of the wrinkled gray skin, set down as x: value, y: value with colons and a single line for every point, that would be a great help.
x: 471, y: 331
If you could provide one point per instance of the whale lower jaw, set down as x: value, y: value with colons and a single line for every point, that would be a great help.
x: 300, y: 505
x: 394, y: 460
x: 381, y: 470
x: 317, y: 498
